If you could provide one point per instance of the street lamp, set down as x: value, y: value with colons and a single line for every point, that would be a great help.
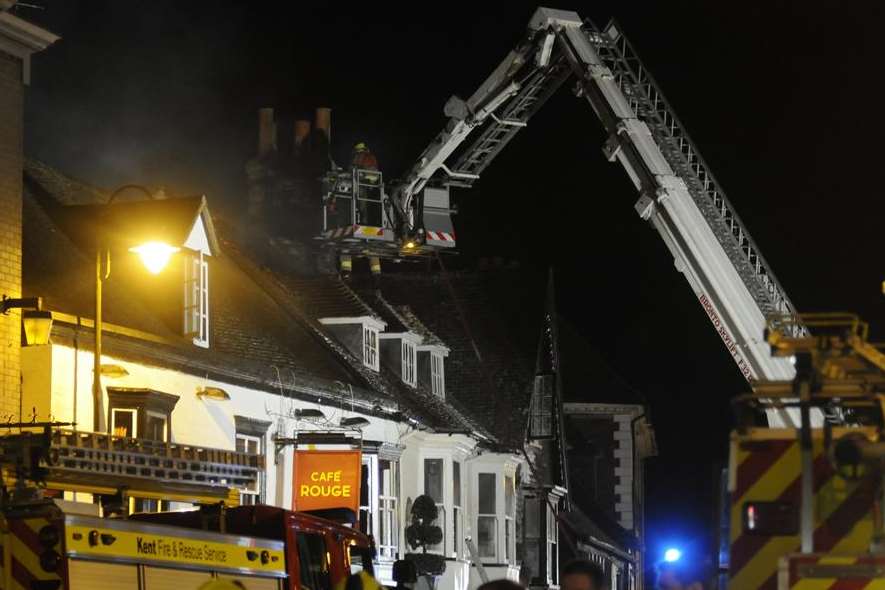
x: 154, y: 255
x: 37, y: 321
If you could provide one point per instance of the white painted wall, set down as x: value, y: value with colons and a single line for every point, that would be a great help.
x: 198, y: 421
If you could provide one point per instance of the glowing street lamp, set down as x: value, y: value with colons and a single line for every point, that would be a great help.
x: 155, y: 255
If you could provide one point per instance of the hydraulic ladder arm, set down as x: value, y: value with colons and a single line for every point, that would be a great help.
x: 678, y: 194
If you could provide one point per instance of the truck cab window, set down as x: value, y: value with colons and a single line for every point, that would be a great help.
x: 312, y: 561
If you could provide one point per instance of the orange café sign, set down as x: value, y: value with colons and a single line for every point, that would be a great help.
x: 326, y: 479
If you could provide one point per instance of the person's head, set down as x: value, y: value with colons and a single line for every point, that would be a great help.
x: 582, y: 574
x: 502, y: 584
x: 361, y: 147
x: 679, y: 576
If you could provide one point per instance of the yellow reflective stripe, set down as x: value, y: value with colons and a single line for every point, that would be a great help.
x: 753, y: 575
x: 768, y: 487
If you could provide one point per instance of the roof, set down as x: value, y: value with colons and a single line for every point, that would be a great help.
x: 282, y: 354
x: 312, y: 298
x: 490, y: 366
x: 134, y: 222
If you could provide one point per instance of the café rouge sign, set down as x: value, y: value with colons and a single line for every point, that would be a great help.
x: 326, y: 479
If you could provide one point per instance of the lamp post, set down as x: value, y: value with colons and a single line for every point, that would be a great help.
x: 154, y: 255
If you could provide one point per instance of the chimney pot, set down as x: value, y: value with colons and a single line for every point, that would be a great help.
x: 267, y: 132
x: 324, y: 122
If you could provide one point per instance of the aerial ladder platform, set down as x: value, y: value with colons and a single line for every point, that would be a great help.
x: 678, y: 193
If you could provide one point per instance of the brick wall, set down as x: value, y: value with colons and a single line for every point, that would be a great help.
x: 11, y: 104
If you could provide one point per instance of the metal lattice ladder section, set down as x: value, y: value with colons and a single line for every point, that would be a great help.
x: 537, y: 87
x: 651, y: 107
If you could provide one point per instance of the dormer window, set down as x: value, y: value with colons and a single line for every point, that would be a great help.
x: 370, y: 347
x: 437, y: 374
x: 197, y: 250
x: 431, y: 368
x: 359, y: 335
x: 409, y: 362
x: 196, y: 298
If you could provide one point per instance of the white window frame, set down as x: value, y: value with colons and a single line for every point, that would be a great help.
x: 552, y: 540
x: 388, y: 512
x: 148, y: 414
x: 196, y: 298
x: 437, y: 374
x: 370, y: 347
x: 134, y: 412
x: 441, y: 520
x: 493, y: 516
x: 457, y: 508
x: 510, y: 520
x: 256, y: 496
x: 409, y: 362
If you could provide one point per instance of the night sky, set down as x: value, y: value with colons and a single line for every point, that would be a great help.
x: 783, y: 99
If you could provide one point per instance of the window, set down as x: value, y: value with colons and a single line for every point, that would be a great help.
x: 509, y: 513
x: 370, y: 347
x: 123, y: 422
x: 196, y: 298
x: 457, y: 524
x: 155, y: 426
x: 388, y: 531
x: 313, y: 565
x: 552, y: 543
x: 251, y: 437
x: 541, y: 408
x: 142, y: 413
x: 365, y: 515
x: 433, y: 487
x: 437, y: 376
x: 487, y: 518
x: 253, y: 494
x: 409, y: 358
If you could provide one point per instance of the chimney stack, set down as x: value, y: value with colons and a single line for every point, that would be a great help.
x: 324, y: 122
x: 267, y: 132
x: 302, y: 132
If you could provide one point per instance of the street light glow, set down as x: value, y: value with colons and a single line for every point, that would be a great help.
x: 155, y: 255
x: 671, y: 555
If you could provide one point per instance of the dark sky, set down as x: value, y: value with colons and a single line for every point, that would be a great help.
x: 784, y: 100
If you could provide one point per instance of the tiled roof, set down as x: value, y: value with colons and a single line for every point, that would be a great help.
x: 298, y: 296
x: 502, y: 310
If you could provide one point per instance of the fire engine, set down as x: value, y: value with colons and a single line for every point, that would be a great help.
x: 805, y: 507
x: 52, y: 544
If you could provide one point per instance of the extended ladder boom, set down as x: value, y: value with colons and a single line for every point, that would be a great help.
x: 678, y: 193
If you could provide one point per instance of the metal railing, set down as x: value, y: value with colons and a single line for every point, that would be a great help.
x: 650, y: 106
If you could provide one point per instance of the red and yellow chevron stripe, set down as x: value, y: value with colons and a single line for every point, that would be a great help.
x: 35, y: 555
x: 832, y: 572
x: 766, y: 467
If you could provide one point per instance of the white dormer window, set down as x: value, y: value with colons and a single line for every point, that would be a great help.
x: 410, y: 362
x: 370, y: 347
x: 437, y: 374
x: 197, y: 249
x: 196, y: 298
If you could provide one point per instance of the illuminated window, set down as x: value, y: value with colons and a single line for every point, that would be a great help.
x: 509, y: 514
x: 253, y: 494
x: 388, y: 517
x: 370, y: 347
x: 196, y: 298
x: 409, y: 358
x: 457, y: 515
x: 251, y: 435
x: 437, y: 375
x: 434, y: 476
x: 487, y: 517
